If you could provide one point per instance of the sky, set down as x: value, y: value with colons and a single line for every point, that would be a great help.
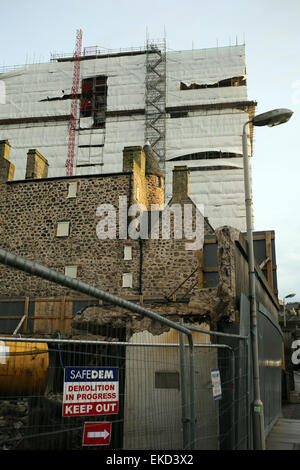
x: 270, y: 29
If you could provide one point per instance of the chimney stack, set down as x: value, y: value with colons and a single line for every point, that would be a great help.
x: 4, y: 149
x: 180, y: 183
x: 134, y: 160
x: 133, y: 156
x: 7, y: 169
x: 37, y: 165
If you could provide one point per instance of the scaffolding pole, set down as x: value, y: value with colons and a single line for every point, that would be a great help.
x: 155, y: 101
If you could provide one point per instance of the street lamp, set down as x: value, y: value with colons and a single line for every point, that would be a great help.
x: 284, y: 311
x: 270, y: 118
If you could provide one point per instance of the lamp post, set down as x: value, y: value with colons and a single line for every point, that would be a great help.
x: 270, y: 118
x: 284, y: 311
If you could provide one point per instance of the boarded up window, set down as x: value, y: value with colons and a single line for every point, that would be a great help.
x: 71, y: 271
x: 167, y: 380
x: 93, y: 99
x: 52, y: 315
x: 72, y: 190
x: 63, y: 229
x: 127, y: 252
x: 127, y: 280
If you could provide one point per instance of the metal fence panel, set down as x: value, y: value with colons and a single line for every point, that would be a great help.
x: 270, y: 360
x: 270, y: 357
x: 151, y: 384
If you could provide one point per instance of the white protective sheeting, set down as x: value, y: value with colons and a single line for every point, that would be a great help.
x: 205, y: 66
x: 218, y: 132
x: 25, y: 91
x: 38, y: 91
x: 120, y: 134
x: 219, y: 191
x: 125, y: 83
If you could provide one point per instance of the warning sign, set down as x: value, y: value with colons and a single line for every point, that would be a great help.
x: 216, y: 384
x: 90, y: 391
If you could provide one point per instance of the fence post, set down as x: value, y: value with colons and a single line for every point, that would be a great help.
x: 184, y: 418
x: 192, y: 392
x: 250, y: 393
x: 246, y: 341
x: 192, y: 384
x: 233, y: 400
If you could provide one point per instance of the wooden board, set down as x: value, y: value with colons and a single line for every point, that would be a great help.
x: 53, y: 316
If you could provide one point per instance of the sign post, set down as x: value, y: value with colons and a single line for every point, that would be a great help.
x: 216, y: 384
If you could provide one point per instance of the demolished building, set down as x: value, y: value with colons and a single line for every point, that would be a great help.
x: 56, y: 220
x: 190, y: 106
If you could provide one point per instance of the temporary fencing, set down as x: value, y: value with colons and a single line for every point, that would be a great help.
x: 169, y: 391
x: 152, y: 394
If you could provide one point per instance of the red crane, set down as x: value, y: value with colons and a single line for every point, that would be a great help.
x: 74, y: 103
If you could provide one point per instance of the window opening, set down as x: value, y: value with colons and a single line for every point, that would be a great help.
x: 93, y: 100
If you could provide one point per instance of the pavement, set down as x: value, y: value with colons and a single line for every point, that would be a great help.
x: 285, y: 434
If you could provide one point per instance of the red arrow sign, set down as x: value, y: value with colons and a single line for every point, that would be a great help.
x: 96, y: 434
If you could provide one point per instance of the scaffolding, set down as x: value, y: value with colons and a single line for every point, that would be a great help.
x: 74, y: 104
x: 155, y: 105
